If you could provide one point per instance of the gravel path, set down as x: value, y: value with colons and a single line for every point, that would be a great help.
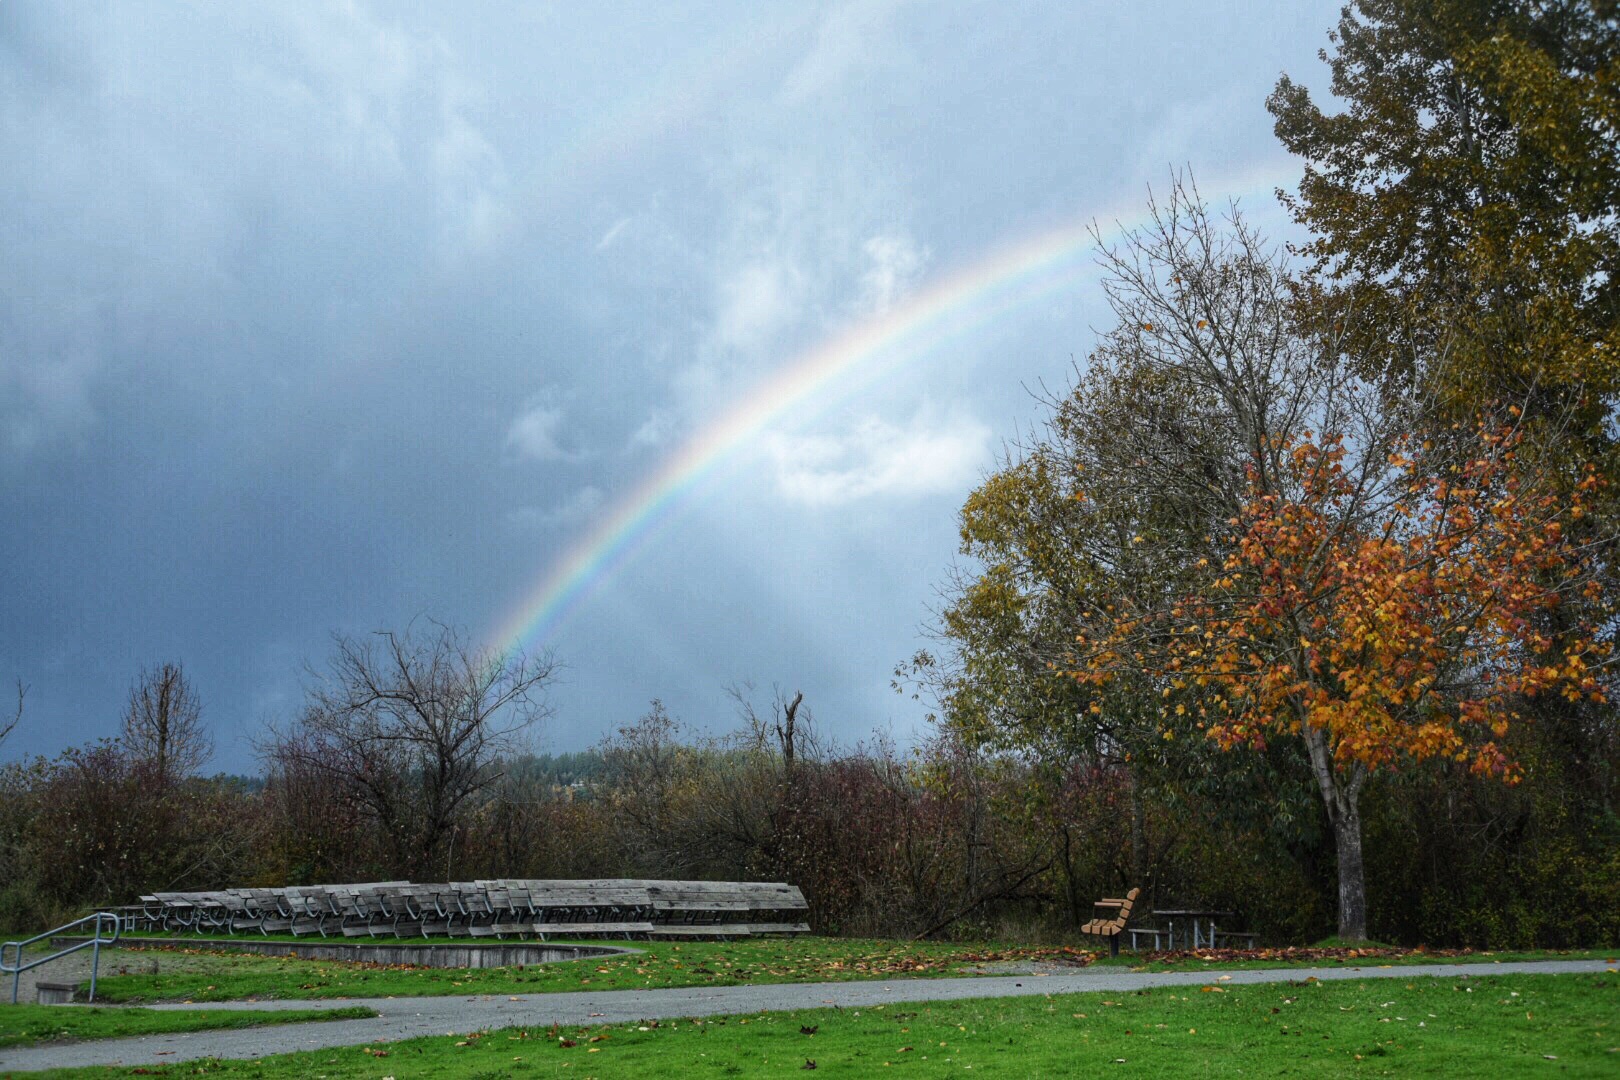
x: 75, y: 967
x: 405, y: 1018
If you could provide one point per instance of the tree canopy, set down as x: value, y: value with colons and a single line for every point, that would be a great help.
x: 1467, y: 191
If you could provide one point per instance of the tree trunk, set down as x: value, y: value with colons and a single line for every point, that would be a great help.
x: 1342, y: 797
x: 1352, y: 875
x: 1138, y: 832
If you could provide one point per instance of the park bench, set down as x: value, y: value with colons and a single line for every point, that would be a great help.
x: 267, y: 906
x: 702, y: 930
x: 708, y: 903
x: 780, y: 907
x: 177, y: 912
x: 589, y: 929
x: 249, y: 909
x: 132, y: 917
x: 1111, y: 928
x: 311, y: 909
x: 1137, y: 933
x: 476, y: 913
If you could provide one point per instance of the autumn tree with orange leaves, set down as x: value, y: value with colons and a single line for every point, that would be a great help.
x: 1263, y: 545
x: 1378, y: 624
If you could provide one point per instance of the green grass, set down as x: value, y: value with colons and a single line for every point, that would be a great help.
x: 1489, y: 1025
x: 198, y: 974
x: 203, y: 972
x: 1350, y: 957
x: 31, y: 1025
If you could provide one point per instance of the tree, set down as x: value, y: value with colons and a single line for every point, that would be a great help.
x: 163, y: 723
x: 1260, y: 547
x: 8, y: 726
x: 412, y: 726
x: 1463, y: 198
x: 1467, y: 191
x: 1376, y: 590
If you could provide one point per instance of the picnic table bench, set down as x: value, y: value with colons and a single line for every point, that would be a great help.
x: 1190, y: 920
x: 525, y: 907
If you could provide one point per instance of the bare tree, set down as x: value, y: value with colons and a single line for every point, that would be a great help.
x: 7, y: 727
x: 163, y: 723
x: 412, y: 725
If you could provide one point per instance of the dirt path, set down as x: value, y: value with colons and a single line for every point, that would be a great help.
x: 405, y: 1018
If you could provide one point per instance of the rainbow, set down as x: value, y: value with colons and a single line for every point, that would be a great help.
x: 948, y: 309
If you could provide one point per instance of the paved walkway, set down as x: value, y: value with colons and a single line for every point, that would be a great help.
x: 405, y: 1018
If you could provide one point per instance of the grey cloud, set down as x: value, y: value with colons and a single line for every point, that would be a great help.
x: 328, y: 314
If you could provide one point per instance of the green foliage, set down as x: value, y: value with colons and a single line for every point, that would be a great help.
x: 97, y: 826
x: 1476, y: 863
x: 1465, y: 196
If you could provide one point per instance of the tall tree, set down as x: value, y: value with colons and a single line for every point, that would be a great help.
x: 1469, y: 191
x: 163, y: 723
x: 1463, y: 192
x: 1262, y: 548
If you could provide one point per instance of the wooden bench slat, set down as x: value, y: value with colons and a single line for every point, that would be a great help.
x: 1110, y: 928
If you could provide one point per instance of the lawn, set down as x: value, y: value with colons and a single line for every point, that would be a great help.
x: 202, y: 972
x: 31, y: 1025
x: 1488, y: 1025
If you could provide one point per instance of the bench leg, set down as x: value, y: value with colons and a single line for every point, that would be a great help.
x: 1113, y: 945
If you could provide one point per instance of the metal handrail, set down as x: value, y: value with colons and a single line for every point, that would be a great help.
x: 101, y: 919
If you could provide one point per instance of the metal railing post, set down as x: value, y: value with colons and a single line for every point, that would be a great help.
x: 99, y: 920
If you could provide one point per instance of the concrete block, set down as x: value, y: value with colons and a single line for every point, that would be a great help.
x: 52, y: 993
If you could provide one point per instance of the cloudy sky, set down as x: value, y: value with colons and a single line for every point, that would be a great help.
x: 321, y: 316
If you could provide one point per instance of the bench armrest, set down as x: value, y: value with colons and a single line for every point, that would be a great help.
x: 1109, y: 903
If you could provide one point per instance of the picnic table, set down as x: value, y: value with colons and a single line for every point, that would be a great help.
x: 1191, y: 918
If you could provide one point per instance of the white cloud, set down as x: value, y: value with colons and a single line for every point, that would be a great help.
x: 758, y: 301
x: 895, y: 264
x: 571, y: 511
x: 851, y: 37
x: 472, y: 180
x: 396, y: 100
x: 654, y: 431
x: 875, y: 458
x: 533, y: 435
